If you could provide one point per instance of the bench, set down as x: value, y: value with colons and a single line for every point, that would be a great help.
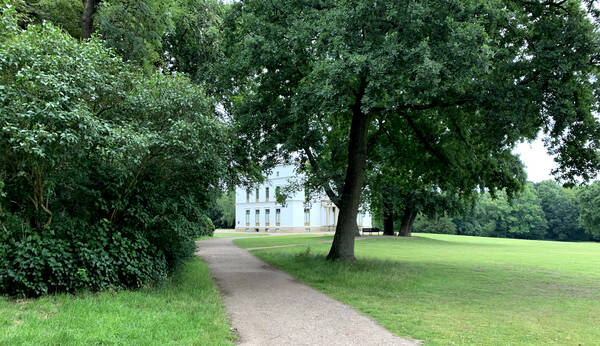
x: 371, y: 230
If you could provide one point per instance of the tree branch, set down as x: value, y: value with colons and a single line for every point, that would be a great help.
x: 313, y: 162
x: 425, y: 142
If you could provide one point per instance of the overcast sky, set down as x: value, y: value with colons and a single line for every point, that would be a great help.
x: 538, y: 164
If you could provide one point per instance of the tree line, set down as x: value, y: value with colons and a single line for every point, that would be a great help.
x: 544, y: 211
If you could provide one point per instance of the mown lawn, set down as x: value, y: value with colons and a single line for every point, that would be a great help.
x: 303, y: 240
x: 445, y: 289
x: 238, y: 235
x: 185, y: 311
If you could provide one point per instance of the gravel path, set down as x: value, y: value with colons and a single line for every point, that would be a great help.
x: 270, y: 307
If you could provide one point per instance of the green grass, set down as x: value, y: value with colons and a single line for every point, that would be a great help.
x: 238, y: 235
x: 185, y: 311
x: 303, y: 240
x: 466, y: 290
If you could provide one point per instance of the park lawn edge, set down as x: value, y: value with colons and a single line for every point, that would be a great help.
x: 185, y: 309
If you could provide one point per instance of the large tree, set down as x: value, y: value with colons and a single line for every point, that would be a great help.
x: 454, y: 84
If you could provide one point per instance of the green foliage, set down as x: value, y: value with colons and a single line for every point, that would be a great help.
x: 223, y: 213
x: 65, y: 14
x: 98, y: 159
x: 135, y: 28
x: 207, y: 227
x: 589, y: 208
x: 561, y: 211
x: 496, y: 216
x: 194, y: 41
x: 440, y: 224
x: 440, y: 91
x: 76, y: 256
x: 544, y: 210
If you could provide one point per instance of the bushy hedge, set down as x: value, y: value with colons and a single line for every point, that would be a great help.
x: 106, y: 171
x: 78, y: 257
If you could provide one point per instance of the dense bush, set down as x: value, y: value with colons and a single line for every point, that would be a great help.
x: 75, y: 256
x: 107, y: 170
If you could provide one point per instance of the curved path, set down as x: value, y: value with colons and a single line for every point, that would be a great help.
x: 270, y: 307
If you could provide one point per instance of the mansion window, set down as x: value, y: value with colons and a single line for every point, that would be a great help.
x: 267, y: 217
x: 306, y: 217
x: 257, y: 194
x: 267, y: 194
x: 277, y: 217
x: 248, y: 217
x: 247, y: 195
x: 257, y: 217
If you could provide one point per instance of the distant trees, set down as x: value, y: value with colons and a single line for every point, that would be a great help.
x: 544, y: 210
x: 562, y: 208
x: 588, y: 199
x: 222, y: 213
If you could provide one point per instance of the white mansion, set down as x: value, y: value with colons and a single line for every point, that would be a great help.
x: 257, y: 209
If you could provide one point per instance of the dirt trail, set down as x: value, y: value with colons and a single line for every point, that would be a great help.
x: 269, y: 307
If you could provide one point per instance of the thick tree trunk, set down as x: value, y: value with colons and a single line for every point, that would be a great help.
x: 408, y: 218
x: 388, y: 216
x: 87, y: 18
x: 343, y: 240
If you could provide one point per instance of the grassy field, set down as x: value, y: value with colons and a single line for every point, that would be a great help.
x: 186, y: 311
x: 238, y: 235
x: 283, y: 240
x: 447, y: 289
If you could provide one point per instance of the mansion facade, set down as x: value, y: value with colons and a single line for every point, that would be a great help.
x: 257, y: 210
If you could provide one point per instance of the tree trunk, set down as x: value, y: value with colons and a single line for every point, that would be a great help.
x: 388, y: 216
x: 87, y: 18
x: 343, y: 240
x: 408, y: 218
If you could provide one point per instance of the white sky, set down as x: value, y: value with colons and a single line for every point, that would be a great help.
x: 538, y: 164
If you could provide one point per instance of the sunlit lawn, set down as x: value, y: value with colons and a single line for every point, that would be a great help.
x: 186, y: 311
x: 447, y: 289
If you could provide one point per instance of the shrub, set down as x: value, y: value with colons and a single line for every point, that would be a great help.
x: 107, y: 170
x: 207, y: 227
x: 77, y: 257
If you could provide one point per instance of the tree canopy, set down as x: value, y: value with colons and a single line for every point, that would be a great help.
x: 452, y: 85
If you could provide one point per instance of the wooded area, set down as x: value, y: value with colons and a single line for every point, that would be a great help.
x: 544, y: 210
x: 125, y: 122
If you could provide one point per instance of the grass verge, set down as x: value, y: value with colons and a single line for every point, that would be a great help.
x: 303, y: 240
x: 187, y: 310
x: 453, y: 289
x: 238, y: 235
